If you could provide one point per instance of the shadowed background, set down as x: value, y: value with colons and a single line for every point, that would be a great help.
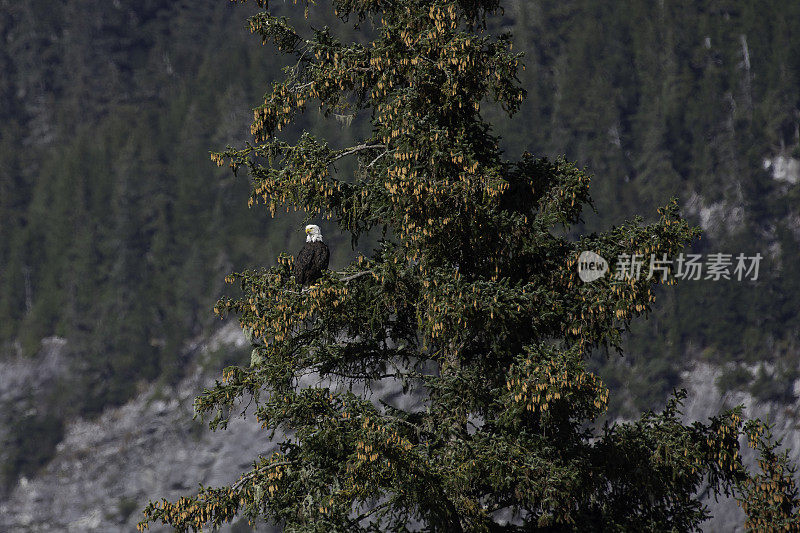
x: 116, y: 230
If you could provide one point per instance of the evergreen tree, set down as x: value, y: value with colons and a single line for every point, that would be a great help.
x: 472, y: 300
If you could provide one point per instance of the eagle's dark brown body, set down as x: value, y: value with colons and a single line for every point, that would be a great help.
x: 310, y: 262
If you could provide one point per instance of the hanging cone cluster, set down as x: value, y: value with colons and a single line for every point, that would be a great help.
x: 473, y: 300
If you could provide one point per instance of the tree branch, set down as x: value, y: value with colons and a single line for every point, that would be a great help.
x: 379, y: 156
x: 249, y: 476
x: 355, y: 276
x: 356, y: 149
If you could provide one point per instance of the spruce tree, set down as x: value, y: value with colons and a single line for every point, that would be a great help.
x: 472, y: 301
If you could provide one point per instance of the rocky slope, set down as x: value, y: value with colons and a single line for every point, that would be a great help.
x: 105, y: 470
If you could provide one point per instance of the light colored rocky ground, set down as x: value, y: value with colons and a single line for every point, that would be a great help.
x: 106, y: 470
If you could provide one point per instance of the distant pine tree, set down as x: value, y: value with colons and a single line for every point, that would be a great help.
x: 472, y: 300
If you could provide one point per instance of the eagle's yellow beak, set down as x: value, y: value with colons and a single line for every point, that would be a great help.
x: 308, y: 230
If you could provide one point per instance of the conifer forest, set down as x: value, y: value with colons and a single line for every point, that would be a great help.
x: 466, y: 161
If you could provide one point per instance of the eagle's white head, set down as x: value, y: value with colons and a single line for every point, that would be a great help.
x: 313, y: 234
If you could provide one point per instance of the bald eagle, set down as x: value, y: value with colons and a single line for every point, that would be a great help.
x: 312, y: 259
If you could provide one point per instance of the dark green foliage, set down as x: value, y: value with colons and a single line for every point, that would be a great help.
x: 122, y: 206
x: 735, y: 378
x: 115, y: 233
x: 30, y: 442
x: 126, y: 507
x: 472, y: 301
x: 774, y: 386
x: 769, y: 496
x: 683, y: 98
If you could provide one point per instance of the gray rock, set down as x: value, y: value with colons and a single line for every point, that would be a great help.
x: 106, y: 470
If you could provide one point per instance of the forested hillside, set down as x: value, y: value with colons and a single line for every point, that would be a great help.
x: 699, y: 100
x: 116, y: 231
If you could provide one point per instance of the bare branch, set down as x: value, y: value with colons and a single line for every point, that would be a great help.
x: 379, y: 156
x: 250, y: 475
x: 357, y: 149
x: 355, y: 276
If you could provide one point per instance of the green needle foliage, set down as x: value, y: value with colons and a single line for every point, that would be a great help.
x: 472, y: 301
